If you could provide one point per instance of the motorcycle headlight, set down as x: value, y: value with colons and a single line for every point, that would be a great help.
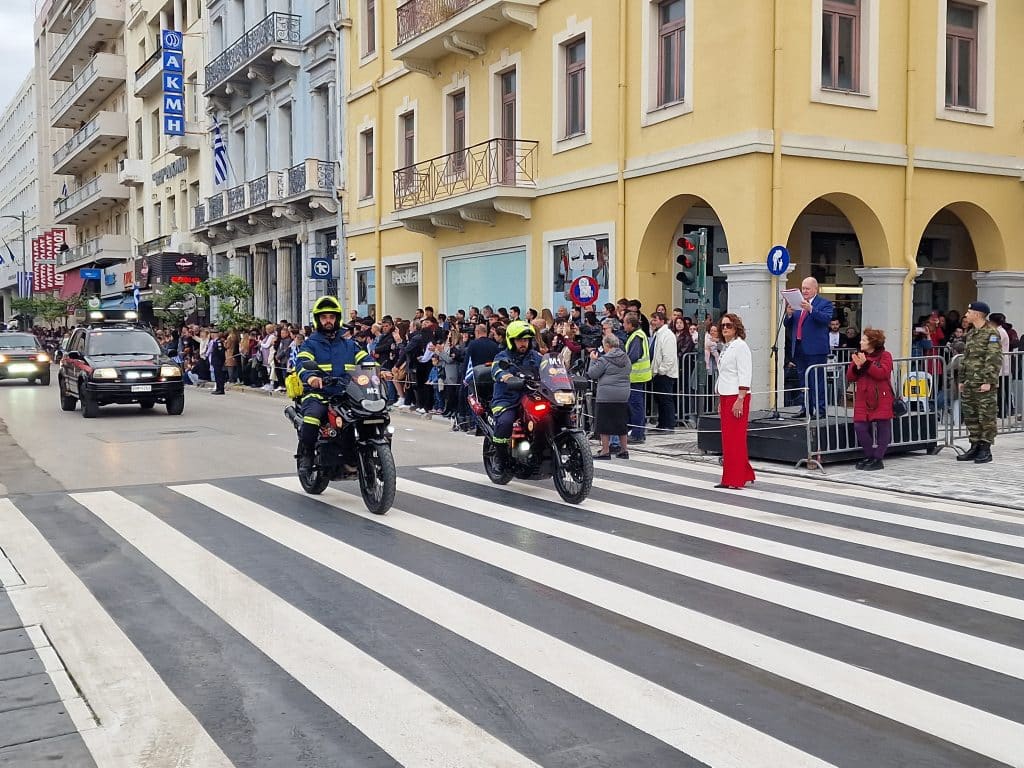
x: 565, y: 398
x: 374, y: 406
x: 169, y: 371
x: 104, y: 373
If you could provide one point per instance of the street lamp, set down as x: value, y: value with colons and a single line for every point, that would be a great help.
x: 21, y: 217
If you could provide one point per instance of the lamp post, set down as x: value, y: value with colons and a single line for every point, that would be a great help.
x: 21, y: 217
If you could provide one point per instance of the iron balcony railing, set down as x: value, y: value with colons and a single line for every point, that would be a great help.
x: 79, y: 138
x: 77, y: 197
x: 156, y: 245
x: 86, y: 250
x: 198, y: 216
x: 77, y: 86
x: 419, y: 16
x: 215, y: 205
x: 494, y: 163
x: 275, y: 29
x: 73, y: 34
x: 155, y: 56
x: 309, y: 176
x: 259, y: 190
x: 236, y: 199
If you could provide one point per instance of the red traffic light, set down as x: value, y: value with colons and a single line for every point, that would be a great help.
x: 686, y: 244
x: 685, y: 261
x: 684, y: 278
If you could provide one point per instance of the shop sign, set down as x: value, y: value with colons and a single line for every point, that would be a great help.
x: 168, y: 172
x: 406, y: 275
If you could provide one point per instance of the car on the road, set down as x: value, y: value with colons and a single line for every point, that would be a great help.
x: 104, y: 364
x: 23, y: 357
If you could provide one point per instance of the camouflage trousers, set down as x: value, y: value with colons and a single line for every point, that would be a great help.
x: 979, y: 414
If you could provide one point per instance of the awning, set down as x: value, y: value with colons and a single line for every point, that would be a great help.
x: 73, y: 283
x: 121, y: 302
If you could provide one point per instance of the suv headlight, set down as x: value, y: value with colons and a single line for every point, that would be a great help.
x: 105, y: 373
x: 169, y: 371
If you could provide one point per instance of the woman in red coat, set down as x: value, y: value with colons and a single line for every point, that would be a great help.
x: 871, y: 372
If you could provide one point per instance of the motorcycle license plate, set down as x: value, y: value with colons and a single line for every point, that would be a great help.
x: 142, y: 388
x: 373, y: 421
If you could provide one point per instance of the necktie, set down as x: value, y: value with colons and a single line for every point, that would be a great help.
x: 800, y: 326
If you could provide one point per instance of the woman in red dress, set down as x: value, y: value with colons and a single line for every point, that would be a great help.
x: 734, y: 371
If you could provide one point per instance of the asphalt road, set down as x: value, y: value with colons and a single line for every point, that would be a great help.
x: 172, y: 598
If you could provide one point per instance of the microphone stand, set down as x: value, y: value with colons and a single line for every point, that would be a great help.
x: 773, y: 357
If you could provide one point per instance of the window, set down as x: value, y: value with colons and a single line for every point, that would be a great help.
x: 961, y: 56
x: 508, y: 125
x: 366, y: 182
x: 158, y: 219
x: 457, y: 102
x: 671, y: 51
x: 408, y: 139
x: 369, y: 27
x: 840, y: 45
x: 138, y: 139
x: 172, y: 212
x: 575, y: 88
x: 155, y: 128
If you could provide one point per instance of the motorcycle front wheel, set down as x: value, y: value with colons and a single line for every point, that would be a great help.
x: 496, y: 476
x: 575, y: 476
x: 377, y: 477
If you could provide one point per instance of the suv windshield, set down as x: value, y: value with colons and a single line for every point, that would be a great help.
x: 122, y: 342
x: 17, y: 340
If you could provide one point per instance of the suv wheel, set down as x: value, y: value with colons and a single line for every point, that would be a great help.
x: 67, y: 402
x: 176, y: 404
x: 90, y: 408
x: 44, y: 379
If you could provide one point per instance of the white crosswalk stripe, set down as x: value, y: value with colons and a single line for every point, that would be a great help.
x: 725, y: 588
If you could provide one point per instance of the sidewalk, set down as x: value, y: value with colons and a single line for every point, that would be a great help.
x: 1000, y: 483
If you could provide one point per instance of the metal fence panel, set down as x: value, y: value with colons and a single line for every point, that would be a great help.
x: 1010, y: 398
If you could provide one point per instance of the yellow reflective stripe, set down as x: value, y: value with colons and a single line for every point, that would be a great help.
x: 360, y: 355
x: 349, y: 367
x: 498, y: 408
x: 306, y: 355
x: 314, y: 395
x: 311, y: 420
x: 499, y: 440
x: 325, y: 367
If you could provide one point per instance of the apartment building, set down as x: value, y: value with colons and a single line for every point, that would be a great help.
x: 18, y: 189
x: 163, y: 171
x: 270, y: 85
x: 82, y: 108
x: 883, y: 149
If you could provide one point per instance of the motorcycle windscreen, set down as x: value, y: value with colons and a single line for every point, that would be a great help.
x: 554, y: 376
x: 364, y: 383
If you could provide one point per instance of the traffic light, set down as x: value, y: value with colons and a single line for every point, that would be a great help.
x: 688, y: 261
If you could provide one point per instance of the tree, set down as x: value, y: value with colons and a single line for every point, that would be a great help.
x: 230, y: 290
x: 177, y: 300
x: 49, y: 308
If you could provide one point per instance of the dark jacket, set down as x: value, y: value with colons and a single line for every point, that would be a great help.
x: 815, y: 328
x: 333, y: 355
x: 218, y: 353
x: 873, y: 396
x: 503, y: 395
x: 611, y: 372
x: 482, y: 351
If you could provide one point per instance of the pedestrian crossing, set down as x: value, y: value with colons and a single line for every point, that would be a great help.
x: 663, y: 622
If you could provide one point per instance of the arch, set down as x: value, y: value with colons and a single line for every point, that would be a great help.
x: 874, y: 245
x: 655, y: 254
x: 986, y: 236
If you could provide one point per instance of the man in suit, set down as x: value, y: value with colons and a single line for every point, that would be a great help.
x: 808, y: 328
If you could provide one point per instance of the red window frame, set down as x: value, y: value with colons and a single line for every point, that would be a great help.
x: 674, y: 31
x: 956, y: 37
x: 367, y: 185
x: 834, y: 11
x: 575, y: 88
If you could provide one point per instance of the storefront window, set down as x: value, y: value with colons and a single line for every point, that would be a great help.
x: 366, y: 292
x: 834, y: 257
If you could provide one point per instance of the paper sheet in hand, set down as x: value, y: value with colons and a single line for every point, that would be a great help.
x: 793, y: 297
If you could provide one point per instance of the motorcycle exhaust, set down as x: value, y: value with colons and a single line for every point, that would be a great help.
x: 293, y: 416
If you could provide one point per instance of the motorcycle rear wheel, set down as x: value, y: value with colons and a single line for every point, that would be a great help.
x: 377, y: 478
x: 496, y: 476
x: 575, y: 477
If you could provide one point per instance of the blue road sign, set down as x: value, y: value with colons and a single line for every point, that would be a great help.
x: 778, y: 260
x: 321, y: 269
x: 170, y: 40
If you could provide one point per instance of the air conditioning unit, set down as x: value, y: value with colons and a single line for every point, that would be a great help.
x: 132, y: 173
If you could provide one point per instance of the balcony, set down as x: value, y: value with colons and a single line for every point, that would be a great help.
x: 101, y: 251
x: 100, y: 21
x: 471, y: 185
x: 429, y: 30
x: 258, y: 205
x: 156, y: 245
x: 132, y: 173
x: 99, y: 136
x: 96, y: 196
x: 104, y: 74
x: 189, y: 144
x: 149, y: 77
x: 276, y: 39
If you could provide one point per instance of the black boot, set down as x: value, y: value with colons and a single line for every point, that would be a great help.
x: 971, y: 454
x: 305, y: 456
x: 984, y: 453
x: 501, y: 456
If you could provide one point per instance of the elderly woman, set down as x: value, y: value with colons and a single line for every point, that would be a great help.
x: 611, y: 372
x: 734, y: 372
x: 871, y: 371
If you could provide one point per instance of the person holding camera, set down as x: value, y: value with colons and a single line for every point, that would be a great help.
x: 611, y: 372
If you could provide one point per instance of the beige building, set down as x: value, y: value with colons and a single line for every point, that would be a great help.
x: 880, y: 141
x: 81, y: 73
x: 19, y: 194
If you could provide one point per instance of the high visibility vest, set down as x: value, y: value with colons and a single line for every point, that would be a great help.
x: 641, y: 369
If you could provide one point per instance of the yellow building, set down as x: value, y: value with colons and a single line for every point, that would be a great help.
x: 883, y: 149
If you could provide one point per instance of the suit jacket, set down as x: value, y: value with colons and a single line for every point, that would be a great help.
x: 815, y: 330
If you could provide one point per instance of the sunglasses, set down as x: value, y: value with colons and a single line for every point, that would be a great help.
x: 726, y: 325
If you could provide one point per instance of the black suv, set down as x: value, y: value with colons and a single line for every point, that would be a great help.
x: 23, y: 357
x: 117, y: 364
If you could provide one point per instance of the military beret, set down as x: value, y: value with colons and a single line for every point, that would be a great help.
x: 979, y: 306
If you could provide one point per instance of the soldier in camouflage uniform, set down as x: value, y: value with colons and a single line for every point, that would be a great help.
x: 979, y: 384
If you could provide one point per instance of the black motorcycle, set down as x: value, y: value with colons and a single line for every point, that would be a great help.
x: 354, y: 441
x: 546, y: 440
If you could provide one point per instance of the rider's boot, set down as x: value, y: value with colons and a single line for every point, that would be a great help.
x: 501, y: 456
x: 305, y: 456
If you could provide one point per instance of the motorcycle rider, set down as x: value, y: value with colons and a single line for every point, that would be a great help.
x: 521, y: 356
x: 335, y: 356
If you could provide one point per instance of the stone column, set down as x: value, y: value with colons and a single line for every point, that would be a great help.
x: 882, y: 305
x: 285, y: 301
x: 261, y: 302
x: 750, y: 297
x: 1003, y: 292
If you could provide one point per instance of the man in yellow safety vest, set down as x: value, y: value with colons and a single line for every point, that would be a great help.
x: 639, y: 352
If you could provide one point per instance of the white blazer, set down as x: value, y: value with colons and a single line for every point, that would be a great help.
x: 734, y: 368
x: 664, y: 361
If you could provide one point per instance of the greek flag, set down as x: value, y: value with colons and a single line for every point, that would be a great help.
x: 9, y: 251
x: 220, y: 157
x: 25, y: 284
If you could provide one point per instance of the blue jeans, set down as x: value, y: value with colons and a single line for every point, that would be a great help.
x: 637, y: 414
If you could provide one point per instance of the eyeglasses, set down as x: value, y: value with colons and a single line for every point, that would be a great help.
x: 726, y: 325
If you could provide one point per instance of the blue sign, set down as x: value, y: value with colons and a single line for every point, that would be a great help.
x: 778, y: 260
x: 171, y: 40
x: 90, y: 274
x: 173, y: 81
x: 321, y: 269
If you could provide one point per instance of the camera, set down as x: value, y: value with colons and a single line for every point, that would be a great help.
x: 590, y: 336
x: 467, y: 328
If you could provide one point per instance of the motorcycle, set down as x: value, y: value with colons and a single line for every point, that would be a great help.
x: 355, y: 440
x: 546, y: 440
